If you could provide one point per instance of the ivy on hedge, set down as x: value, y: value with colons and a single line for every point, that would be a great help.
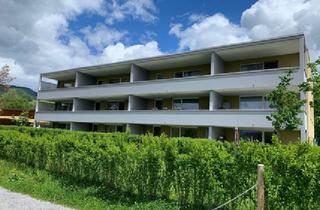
x: 198, y: 173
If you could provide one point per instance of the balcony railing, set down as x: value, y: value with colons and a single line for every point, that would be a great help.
x: 253, y: 80
x: 220, y: 118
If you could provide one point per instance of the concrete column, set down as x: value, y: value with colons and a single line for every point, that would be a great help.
x: 138, y: 74
x: 82, y: 104
x: 75, y: 126
x: 302, y: 63
x: 84, y: 79
x: 214, y: 132
x: 40, y: 83
x: 137, y: 103
x: 217, y: 64
x: 215, y: 100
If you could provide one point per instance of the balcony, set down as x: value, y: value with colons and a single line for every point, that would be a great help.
x: 221, y: 83
x: 220, y: 118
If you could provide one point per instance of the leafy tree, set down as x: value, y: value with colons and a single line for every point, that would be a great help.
x: 22, y: 119
x: 13, y: 99
x: 313, y: 84
x: 5, y: 79
x: 287, y: 104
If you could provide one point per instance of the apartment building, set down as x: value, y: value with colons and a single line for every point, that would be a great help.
x: 205, y: 93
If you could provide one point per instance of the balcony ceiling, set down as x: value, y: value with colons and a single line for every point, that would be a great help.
x: 248, y: 50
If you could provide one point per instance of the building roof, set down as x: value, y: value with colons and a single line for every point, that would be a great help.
x: 245, y: 50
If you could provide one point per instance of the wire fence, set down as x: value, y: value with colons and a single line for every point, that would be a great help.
x: 235, y: 198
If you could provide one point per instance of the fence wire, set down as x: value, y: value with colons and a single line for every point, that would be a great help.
x: 235, y: 198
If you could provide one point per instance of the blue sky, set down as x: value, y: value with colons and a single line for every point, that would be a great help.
x: 168, y: 12
x: 40, y: 36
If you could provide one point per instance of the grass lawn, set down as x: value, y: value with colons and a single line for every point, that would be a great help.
x: 63, y: 190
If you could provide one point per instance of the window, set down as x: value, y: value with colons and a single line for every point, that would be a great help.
x: 255, y: 102
x: 248, y: 135
x: 158, y: 104
x: 119, y: 128
x: 113, y: 81
x: 259, y: 66
x: 186, y: 104
x: 97, y: 106
x: 271, y: 65
x: 189, y: 132
x: 186, y: 74
x: 226, y: 105
x: 156, y: 131
x: 175, y: 132
x: 184, y: 132
x: 251, y: 67
x: 178, y: 74
x: 115, y: 105
x: 159, y: 76
x: 268, y: 137
x: 63, y: 106
x: 191, y: 73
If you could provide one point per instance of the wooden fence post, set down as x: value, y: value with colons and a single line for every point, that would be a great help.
x: 260, y: 187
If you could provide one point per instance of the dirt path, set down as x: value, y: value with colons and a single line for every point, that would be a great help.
x: 16, y: 201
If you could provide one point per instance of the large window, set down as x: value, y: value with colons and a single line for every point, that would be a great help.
x: 253, y: 102
x: 259, y: 66
x: 186, y: 74
x: 184, y: 132
x: 248, y: 135
x: 186, y: 104
x: 253, y: 135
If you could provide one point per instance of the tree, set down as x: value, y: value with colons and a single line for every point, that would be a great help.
x: 5, y: 80
x: 313, y: 84
x: 15, y: 99
x: 22, y: 119
x: 287, y: 105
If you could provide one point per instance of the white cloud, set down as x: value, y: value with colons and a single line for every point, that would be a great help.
x: 120, y: 52
x: 272, y: 17
x: 137, y: 9
x: 213, y: 30
x: 35, y: 38
x: 101, y: 36
x: 196, y: 17
x: 264, y: 19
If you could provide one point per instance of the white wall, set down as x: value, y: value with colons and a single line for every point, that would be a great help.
x: 215, y: 100
x: 137, y: 103
x: 84, y: 79
x: 217, y: 64
x: 138, y: 74
x: 215, y: 132
x: 82, y: 104
x: 45, y: 106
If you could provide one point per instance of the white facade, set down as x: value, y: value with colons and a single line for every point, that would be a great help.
x: 139, y: 89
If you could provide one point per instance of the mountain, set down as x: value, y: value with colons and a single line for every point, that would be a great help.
x: 26, y: 90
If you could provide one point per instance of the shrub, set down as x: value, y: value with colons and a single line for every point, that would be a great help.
x: 198, y: 173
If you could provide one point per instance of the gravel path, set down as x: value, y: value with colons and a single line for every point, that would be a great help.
x: 16, y: 201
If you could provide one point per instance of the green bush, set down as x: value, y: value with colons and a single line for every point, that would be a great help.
x: 198, y: 173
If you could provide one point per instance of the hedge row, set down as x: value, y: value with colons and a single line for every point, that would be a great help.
x: 199, y: 174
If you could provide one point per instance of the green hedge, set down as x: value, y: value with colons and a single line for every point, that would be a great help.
x: 199, y: 174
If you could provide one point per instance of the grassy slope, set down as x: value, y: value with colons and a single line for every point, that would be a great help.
x: 62, y: 190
